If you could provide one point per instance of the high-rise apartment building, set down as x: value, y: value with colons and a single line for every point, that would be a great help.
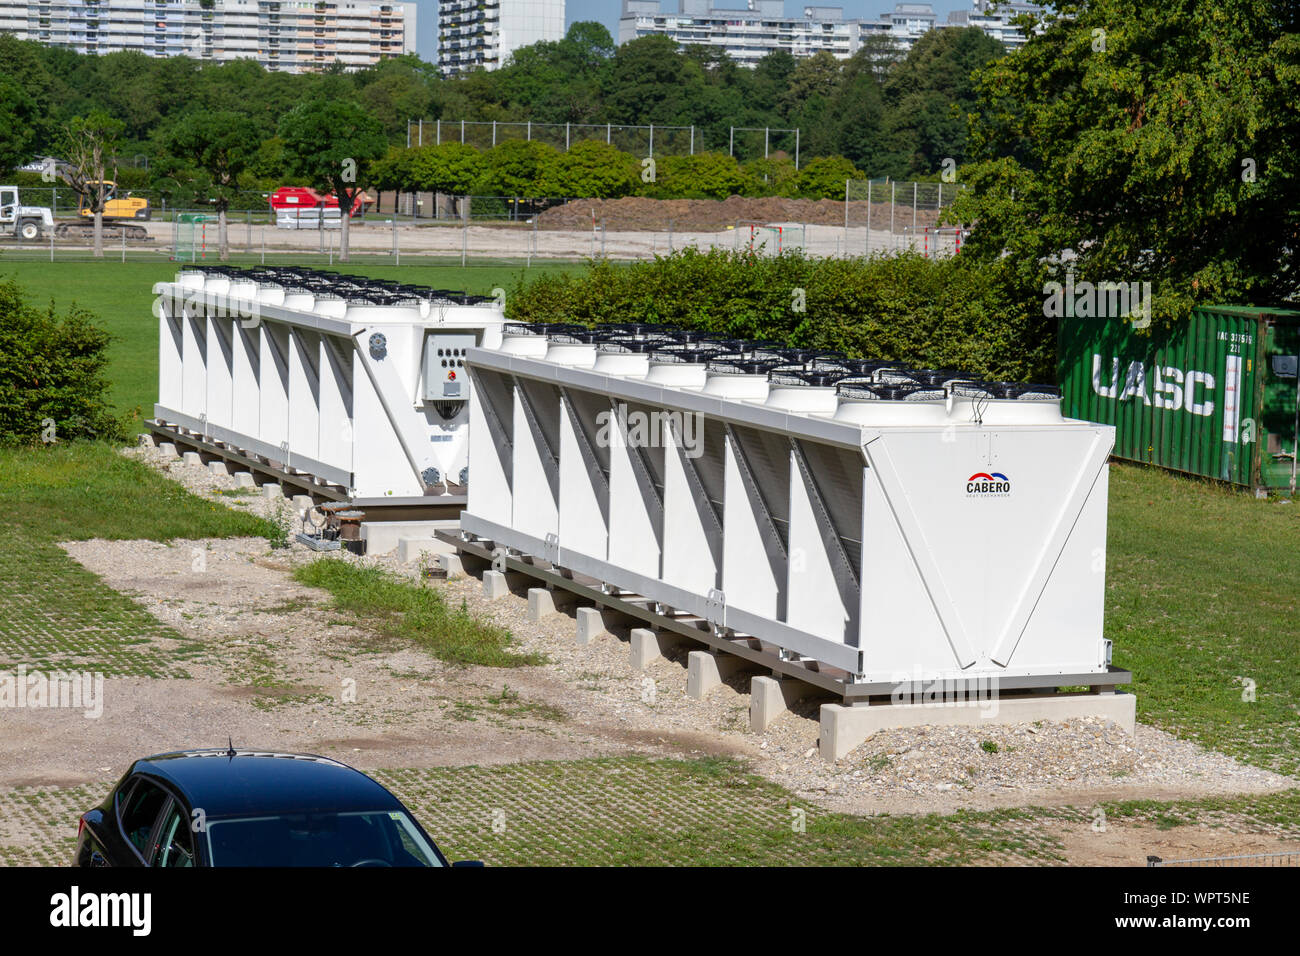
x: 481, y: 34
x: 750, y: 34
x: 292, y: 37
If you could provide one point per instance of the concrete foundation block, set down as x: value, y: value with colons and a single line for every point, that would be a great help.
x: 543, y: 602
x: 145, y: 441
x: 593, y: 622
x: 412, y: 549
x: 245, y: 479
x: 272, y: 490
x: 767, y: 701
x: 218, y: 467
x: 191, y: 458
x: 452, y: 564
x: 303, y: 503
x: 168, y: 448
x: 644, y: 648
x: 705, y: 672
x: 494, y: 585
x: 383, y: 537
x: 844, y: 728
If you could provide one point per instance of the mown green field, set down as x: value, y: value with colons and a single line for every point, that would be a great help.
x: 121, y: 294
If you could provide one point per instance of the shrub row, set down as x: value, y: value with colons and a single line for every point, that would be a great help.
x: 945, y: 313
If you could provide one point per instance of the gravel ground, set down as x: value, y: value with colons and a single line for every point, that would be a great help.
x: 609, y: 708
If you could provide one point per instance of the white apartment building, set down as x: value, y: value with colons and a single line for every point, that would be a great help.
x: 291, y: 37
x: 481, y: 34
x: 750, y: 34
x: 745, y: 35
x: 995, y: 19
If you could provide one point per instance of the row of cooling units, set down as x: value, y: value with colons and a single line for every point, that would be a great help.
x: 879, y: 524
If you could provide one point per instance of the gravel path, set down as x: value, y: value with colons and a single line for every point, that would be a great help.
x: 606, y: 707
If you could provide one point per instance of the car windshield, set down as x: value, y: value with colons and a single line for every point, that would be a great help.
x: 374, y: 838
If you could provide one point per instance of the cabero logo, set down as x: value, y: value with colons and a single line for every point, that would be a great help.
x: 982, y: 484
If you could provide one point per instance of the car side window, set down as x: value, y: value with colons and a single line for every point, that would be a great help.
x: 175, y: 842
x: 140, y: 813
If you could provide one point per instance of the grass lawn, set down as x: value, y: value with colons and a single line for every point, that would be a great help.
x: 1203, y: 595
x: 53, y: 612
x: 121, y: 294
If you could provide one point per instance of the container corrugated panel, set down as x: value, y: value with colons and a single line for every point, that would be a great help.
x: 1200, y: 398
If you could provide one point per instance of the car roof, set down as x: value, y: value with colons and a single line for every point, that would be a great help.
x: 226, y: 783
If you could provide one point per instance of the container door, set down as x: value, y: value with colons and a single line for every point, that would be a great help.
x: 1280, y: 406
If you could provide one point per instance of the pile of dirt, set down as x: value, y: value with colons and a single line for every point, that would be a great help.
x: 638, y: 214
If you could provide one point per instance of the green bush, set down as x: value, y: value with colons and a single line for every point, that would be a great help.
x: 52, y: 386
x: 949, y: 313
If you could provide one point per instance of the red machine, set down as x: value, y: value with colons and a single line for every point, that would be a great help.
x: 304, y: 197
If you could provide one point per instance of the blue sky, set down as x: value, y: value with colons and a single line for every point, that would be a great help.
x: 607, y: 11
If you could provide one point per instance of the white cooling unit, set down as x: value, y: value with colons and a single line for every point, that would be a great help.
x: 883, y: 524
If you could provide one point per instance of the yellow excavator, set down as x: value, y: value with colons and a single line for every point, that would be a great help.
x: 116, y: 211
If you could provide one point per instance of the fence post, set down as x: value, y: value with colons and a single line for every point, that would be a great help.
x: 608, y: 128
x: 731, y: 143
x: 494, y: 134
x: 397, y: 253
x: 248, y: 231
x: 692, y: 140
x: 408, y: 133
x: 566, y: 137
x: 264, y: 245
x: 796, y: 150
x: 464, y: 235
x: 915, y: 186
x: 893, y: 194
x: 437, y: 132
x: 868, y: 252
x: 767, y: 139
x: 421, y: 132
x: 652, y: 140
x: 529, y: 134
x: 462, y: 132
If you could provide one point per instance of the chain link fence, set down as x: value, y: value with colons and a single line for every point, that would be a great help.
x: 875, y: 218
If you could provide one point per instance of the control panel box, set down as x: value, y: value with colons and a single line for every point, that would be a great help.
x: 445, y: 375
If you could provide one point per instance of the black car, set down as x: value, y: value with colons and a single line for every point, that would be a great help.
x: 250, y: 808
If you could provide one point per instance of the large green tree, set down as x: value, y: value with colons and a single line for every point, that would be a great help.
x: 1134, y: 144
x: 333, y: 144
x: 221, y: 146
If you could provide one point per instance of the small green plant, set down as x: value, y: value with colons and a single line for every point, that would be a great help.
x: 989, y: 747
x: 279, y: 524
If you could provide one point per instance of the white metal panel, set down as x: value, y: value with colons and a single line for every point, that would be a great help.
x: 220, y: 377
x: 273, y: 362
x: 246, y: 381
x: 304, y: 392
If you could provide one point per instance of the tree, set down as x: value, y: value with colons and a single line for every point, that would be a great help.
x: 824, y: 177
x: 19, y: 116
x: 517, y: 168
x: 332, y: 143
x: 90, y: 144
x: 591, y: 169
x: 1159, y: 145
x: 450, y: 168
x: 221, y: 145
x: 702, y: 176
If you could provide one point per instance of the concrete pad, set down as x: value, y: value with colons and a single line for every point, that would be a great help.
x: 245, y: 479
x: 844, y: 728
x: 191, y: 458
x: 494, y: 585
x: 452, y: 564
x: 303, y: 503
x: 593, y: 622
x: 218, y: 467
x: 767, y: 701
x: 384, y: 537
x: 168, y: 448
x: 644, y: 648
x: 145, y: 440
x: 272, y: 490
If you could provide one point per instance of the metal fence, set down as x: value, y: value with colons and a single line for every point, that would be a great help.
x: 892, y: 217
x: 1247, y: 859
x: 637, y: 140
x: 885, y: 216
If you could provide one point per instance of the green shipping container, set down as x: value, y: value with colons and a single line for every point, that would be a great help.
x: 1217, y: 396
